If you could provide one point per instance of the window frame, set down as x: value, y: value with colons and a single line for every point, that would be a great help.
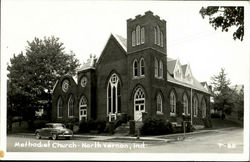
x: 71, y: 106
x: 59, y: 103
x: 85, y: 106
x: 133, y: 38
x: 195, y: 106
x: 156, y: 65
x: 185, y: 104
x: 138, y: 35
x: 172, y: 98
x: 135, y: 69
x: 142, y: 67
x: 159, y: 110
x: 142, y: 35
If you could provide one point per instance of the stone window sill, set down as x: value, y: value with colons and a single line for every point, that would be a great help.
x: 173, y: 114
x: 159, y: 113
x: 138, y: 77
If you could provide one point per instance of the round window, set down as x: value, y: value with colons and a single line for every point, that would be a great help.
x: 65, y: 85
x: 84, y: 81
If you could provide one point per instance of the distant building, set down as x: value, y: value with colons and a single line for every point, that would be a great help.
x: 134, y: 78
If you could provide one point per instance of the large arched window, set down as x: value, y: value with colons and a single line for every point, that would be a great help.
x: 142, y: 35
x: 114, y: 95
x: 59, y: 108
x: 195, y: 106
x: 133, y: 38
x: 142, y: 67
x: 172, y: 103
x: 156, y: 67
x: 70, y: 106
x: 138, y: 35
x: 83, y: 108
x: 160, y: 69
x: 203, y: 108
x: 185, y: 104
x: 135, y: 68
x: 159, y: 103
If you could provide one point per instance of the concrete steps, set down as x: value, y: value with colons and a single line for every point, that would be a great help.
x: 123, y: 129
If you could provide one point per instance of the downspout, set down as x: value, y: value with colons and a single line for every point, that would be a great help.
x: 191, y: 107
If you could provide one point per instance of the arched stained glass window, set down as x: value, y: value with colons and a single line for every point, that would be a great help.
x: 114, y: 95
x: 185, y: 104
x: 59, y: 108
x: 172, y: 102
x: 159, y: 103
x: 70, y: 106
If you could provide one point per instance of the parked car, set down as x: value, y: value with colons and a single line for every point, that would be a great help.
x: 54, y: 131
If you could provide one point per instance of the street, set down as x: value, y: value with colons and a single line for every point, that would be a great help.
x: 219, y: 141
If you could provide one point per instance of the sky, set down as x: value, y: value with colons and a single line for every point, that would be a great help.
x: 85, y: 26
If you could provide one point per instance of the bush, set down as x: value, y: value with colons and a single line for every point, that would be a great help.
x: 110, y: 128
x: 39, y: 124
x: 156, y: 126
x: 84, y: 127
x: 207, y: 122
x: 215, y: 115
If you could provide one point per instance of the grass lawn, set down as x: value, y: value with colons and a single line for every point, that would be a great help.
x: 219, y: 123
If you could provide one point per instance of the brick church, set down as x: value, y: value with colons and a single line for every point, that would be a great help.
x: 134, y: 78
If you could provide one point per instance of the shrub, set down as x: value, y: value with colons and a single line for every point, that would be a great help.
x: 215, y: 115
x: 101, y: 125
x: 207, y: 122
x: 156, y: 126
x: 39, y: 124
x: 110, y: 128
x: 84, y: 127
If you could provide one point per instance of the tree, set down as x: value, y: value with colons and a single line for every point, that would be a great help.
x: 226, y: 17
x: 223, y: 95
x: 32, y: 76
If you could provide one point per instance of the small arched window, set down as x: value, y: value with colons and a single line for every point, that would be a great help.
x: 142, y: 67
x: 160, y: 69
x: 185, y: 104
x: 133, y: 38
x: 70, y: 106
x: 155, y: 31
x: 204, y: 108
x: 158, y: 35
x: 195, y: 106
x: 135, y: 68
x: 172, y: 103
x: 156, y: 67
x: 138, y: 35
x: 142, y: 35
x: 159, y: 103
x: 59, y: 108
x: 161, y: 39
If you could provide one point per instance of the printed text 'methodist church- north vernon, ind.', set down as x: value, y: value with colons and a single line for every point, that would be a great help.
x: 132, y: 78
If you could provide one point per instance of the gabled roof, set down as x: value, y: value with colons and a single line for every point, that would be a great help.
x: 122, y: 41
x: 184, y: 68
x: 90, y: 64
x: 171, y: 65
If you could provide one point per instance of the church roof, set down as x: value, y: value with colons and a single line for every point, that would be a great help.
x: 89, y: 64
x: 171, y: 63
x: 122, y: 41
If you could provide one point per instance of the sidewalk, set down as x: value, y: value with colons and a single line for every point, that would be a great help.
x: 165, y: 138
